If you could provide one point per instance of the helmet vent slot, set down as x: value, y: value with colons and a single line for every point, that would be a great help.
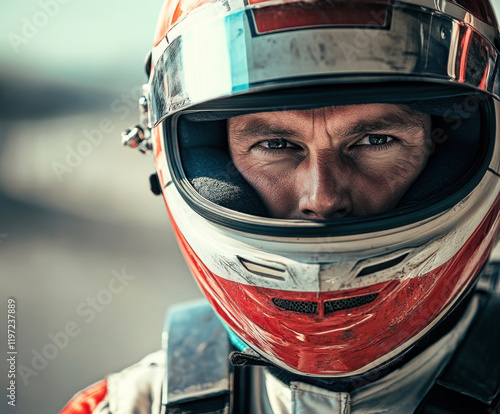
x: 382, y: 266
x: 297, y: 306
x: 342, y: 304
x: 264, y: 271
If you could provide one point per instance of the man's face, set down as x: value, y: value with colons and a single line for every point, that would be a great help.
x: 331, y: 162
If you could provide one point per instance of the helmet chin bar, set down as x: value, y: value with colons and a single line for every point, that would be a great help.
x: 295, y: 345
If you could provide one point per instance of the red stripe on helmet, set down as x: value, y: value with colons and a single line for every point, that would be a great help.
x: 302, y: 14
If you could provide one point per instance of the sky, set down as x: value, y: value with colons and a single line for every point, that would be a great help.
x: 103, y: 42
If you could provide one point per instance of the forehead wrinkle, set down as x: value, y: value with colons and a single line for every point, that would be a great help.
x: 400, y: 119
x: 320, y: 121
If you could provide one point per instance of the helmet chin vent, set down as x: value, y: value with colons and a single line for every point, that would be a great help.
x: 311, y: 308
x: 342, y: 304
x: 297, y: 306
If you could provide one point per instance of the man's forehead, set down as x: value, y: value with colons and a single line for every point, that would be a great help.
x: 383, y: 115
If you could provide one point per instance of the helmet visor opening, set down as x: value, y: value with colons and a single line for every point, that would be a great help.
x: 458, y: 147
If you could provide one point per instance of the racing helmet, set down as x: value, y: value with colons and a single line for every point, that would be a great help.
x: 340, y: 297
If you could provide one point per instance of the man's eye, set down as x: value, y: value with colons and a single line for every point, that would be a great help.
x: 276, y: 143
x: 375, y: 139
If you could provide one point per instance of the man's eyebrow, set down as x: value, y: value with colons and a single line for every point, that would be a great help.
x: 262, y: 128
x: 394, y: 121
x: 402, y: 120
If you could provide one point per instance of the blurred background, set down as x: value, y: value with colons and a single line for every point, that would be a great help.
x: 85, y: 249
x: 76, y: 212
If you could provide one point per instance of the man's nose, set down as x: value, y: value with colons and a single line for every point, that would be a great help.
x: 323, y: 187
